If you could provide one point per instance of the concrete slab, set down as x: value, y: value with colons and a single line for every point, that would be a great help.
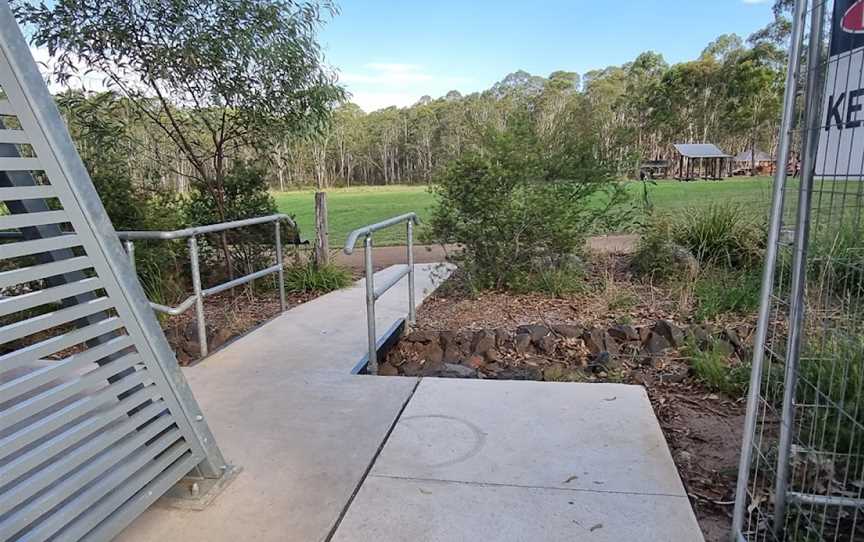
x: 600, y: 437
x: 395, y: 510
x: 283, y: 405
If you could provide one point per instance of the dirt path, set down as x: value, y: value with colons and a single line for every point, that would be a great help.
x: 387, y: 256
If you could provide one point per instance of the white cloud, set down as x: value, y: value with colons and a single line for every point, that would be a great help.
x: 372, y: 100
x: 376, y: 85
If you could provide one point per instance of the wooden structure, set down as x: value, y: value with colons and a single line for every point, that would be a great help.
x: 654, y: 169
x: 745, y: 164
x: 701, y: 161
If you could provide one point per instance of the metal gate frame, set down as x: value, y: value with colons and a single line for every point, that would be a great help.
x: 782, y: 492
x: 105, y: 315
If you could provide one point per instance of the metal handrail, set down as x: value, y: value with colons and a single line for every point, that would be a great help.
x: 199, y: 293
x: 373, y: 294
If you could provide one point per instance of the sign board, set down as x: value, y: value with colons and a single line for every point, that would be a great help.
x: 841, y: 139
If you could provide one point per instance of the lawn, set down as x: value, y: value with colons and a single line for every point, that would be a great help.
x: 351, y: 208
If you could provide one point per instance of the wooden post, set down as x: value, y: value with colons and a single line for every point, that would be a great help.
x: 322, y: 231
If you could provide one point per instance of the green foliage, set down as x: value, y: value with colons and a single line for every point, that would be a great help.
x: 712, y: 367
x: 726, y: 236
x: 307, y: 278
x: 836, y: 260
x: 245, y: 196
x: 831, y: 373
x: 723, y: 234
x: 720, y: 292
x: 521, y: 201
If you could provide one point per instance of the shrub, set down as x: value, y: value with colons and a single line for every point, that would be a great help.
x: 656, y: 254
x: 837, y: 261
x: 307, y: 278
x: 241, y: 251
x: 719, y: 292
x: 522, y: 202
x: 721, y: 234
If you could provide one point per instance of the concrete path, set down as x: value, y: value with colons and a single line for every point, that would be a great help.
x: 468, y: 460
x: 523, y: 461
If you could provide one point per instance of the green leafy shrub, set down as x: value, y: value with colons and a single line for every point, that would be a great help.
x: 246, y: 195
x: 719, y: 292
x: 836, y: 261
x: 656, y: 254
x: 521, y: 202
x: 307, y: 278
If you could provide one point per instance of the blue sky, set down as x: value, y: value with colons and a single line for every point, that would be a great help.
x: 392, y: 52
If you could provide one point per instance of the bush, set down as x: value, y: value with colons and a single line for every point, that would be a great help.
x: 725, y: 236
x: 836, y: 261
x: 307, y: 278
x: 719, y: 292
x: 722, y: 234
x: 521, y: 203
x: 246, y: 195
x: 553, y: 282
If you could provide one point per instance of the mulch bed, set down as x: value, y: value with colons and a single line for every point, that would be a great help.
x: 229, y: 315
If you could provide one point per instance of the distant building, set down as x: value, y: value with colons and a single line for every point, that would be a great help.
x: 744, y: 163
x: 701, y: 161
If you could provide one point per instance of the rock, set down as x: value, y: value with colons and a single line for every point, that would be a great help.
x: 536, y: 331
x: 385, y: 369
x: 732, y: 337
x: 644, y: 333
x: 725, y: 347
x: 451, y: 370
x: 670, y: 332
x: 597, y: 340
x: 411, y: 368
x: 492, y: 355
x: 475, y: 361
x: 547, y: 344
x: 523, y: 344
x: 501, y: 337
x: 452, y: 354
x: 656, y: 343
x: 422, y: 336
x: 605, y: 361
x: 624, y: 332
x: 568, y: 331
x: 700, y: 336
x: 433, y: 353
x: 520, y: 373
x: 446, y: 339
x: 219, y: 338
x: 483, y: 342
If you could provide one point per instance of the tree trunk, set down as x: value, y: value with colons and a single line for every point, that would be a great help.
x: 322, y: 239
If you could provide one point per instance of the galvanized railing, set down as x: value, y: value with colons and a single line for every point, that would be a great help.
x: 373, y: 293
x: 200, y: 293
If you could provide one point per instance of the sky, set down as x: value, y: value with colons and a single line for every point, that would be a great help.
x: 390, y: 52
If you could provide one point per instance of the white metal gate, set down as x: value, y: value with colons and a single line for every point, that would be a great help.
x: 96, y: 419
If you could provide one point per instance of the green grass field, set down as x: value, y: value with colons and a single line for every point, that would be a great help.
x: 351, y: 208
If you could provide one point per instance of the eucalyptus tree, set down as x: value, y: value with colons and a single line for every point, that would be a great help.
x: 213, y: 76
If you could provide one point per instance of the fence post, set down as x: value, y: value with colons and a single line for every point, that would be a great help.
x: 281, y: 263
x: 799, y: 266
x: 412, y: 316
x: 372, y: 366
x: 753, y: 398
x: 199, y: 297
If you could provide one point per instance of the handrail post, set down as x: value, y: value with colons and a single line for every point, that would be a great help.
x: 130, y: 252
x: 199, y: 297
x: 372, y: 366
x: 281, y: 263
x: 412, y: 316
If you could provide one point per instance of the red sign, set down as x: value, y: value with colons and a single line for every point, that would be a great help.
x: 853, y: 20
